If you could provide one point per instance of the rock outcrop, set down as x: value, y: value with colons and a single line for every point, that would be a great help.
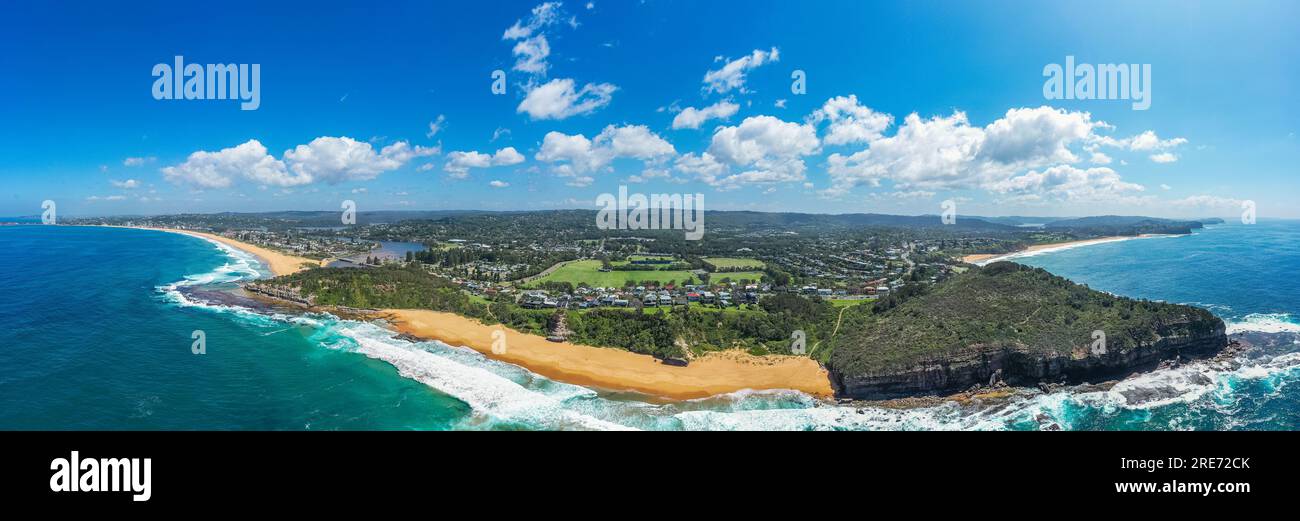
x: 1018, y: 325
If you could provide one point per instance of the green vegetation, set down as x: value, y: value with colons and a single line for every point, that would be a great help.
x: 589, y: 272
x: 1003, y: 304
x: 733, y: 263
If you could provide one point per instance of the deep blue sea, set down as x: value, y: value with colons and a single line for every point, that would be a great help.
x: 97, y: 332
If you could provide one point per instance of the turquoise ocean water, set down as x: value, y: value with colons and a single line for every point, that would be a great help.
x: 95, y: 333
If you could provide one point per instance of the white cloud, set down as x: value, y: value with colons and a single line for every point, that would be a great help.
x: 732, y: 75
x: 106, y: 198
x: 1164, y: 157
x: 780, y: 104
x: 500, y: 131
x: 498, y: 184
x: 1207, y: 201
x: 220, y: 169
x: 1166, y: 187
x: 531, y: 47
x: 1150, y: 141
x: 543, y: 15
x: 127, y: 184
x: 850, y: 122
x: 459, y: 163
x: 1067, y: 183
x: 1145, y: 142
x: 557, y: 99
x: 532, y: 53
x: 580, y: 181
x: 691, y: 117
x: 765, y: 149
x: 138, y: 161
x: 337, y: 159
x: 949, y: 153
x: 328, y: 159
x: 580, y: 155
x: 435, y: 126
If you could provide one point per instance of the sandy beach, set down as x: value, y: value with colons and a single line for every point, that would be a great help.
x: 986, y: 258
x: 278, y: 263
x: 616, y: 369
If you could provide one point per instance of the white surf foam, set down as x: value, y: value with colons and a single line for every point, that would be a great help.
x: 1264, y: 323
x: 484, y: 391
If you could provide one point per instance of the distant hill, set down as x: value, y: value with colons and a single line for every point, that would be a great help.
x: 1022, y: 323
x: 854, y: 220
x: 1126, y: 225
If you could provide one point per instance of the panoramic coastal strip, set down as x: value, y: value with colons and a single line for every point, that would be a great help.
x: 884, y: 316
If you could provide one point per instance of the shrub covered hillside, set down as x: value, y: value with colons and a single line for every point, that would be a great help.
x: 1006, y: 319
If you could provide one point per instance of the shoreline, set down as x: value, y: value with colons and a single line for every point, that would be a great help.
x: 981, y: 259
x: 279, y: 264
x: 616, y: 369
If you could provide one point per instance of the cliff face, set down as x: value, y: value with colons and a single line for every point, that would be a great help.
x: 1015, y: 324
x: 1016, y: 365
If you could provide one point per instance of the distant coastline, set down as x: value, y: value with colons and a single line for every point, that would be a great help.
x: 981, y: 259
x: 280, y: 264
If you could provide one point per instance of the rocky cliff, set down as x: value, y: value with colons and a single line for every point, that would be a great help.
x: 1015, y: 324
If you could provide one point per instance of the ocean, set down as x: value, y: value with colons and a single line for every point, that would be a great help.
x: 97, y: 333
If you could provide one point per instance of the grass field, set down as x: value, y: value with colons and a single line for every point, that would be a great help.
x: 588, y: 271
x: 734, y: 262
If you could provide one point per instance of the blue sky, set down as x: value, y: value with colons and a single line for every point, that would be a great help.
x: 662, y: 96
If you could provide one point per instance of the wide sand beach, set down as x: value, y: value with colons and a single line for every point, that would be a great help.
x: 616, y: 369
x: 986, y: 258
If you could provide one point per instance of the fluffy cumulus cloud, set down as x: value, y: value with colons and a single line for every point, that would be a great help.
x: 128, y: 184
x: 574, y: 156
x: 459, y: 163
x: 1164, y: 157
x: 337, y: 159
x: 138, y: 161
x: 1024, y: 151
x: 327, y: 159
x: 559, y: 99
x: 850, y: 122
x: 732, y: 74
x: 691, y: 117
x: 531, y: 48
x: 761, y: 150
x: 220, y: 169
x: 1067, y: 183
x: 1160, y: 150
